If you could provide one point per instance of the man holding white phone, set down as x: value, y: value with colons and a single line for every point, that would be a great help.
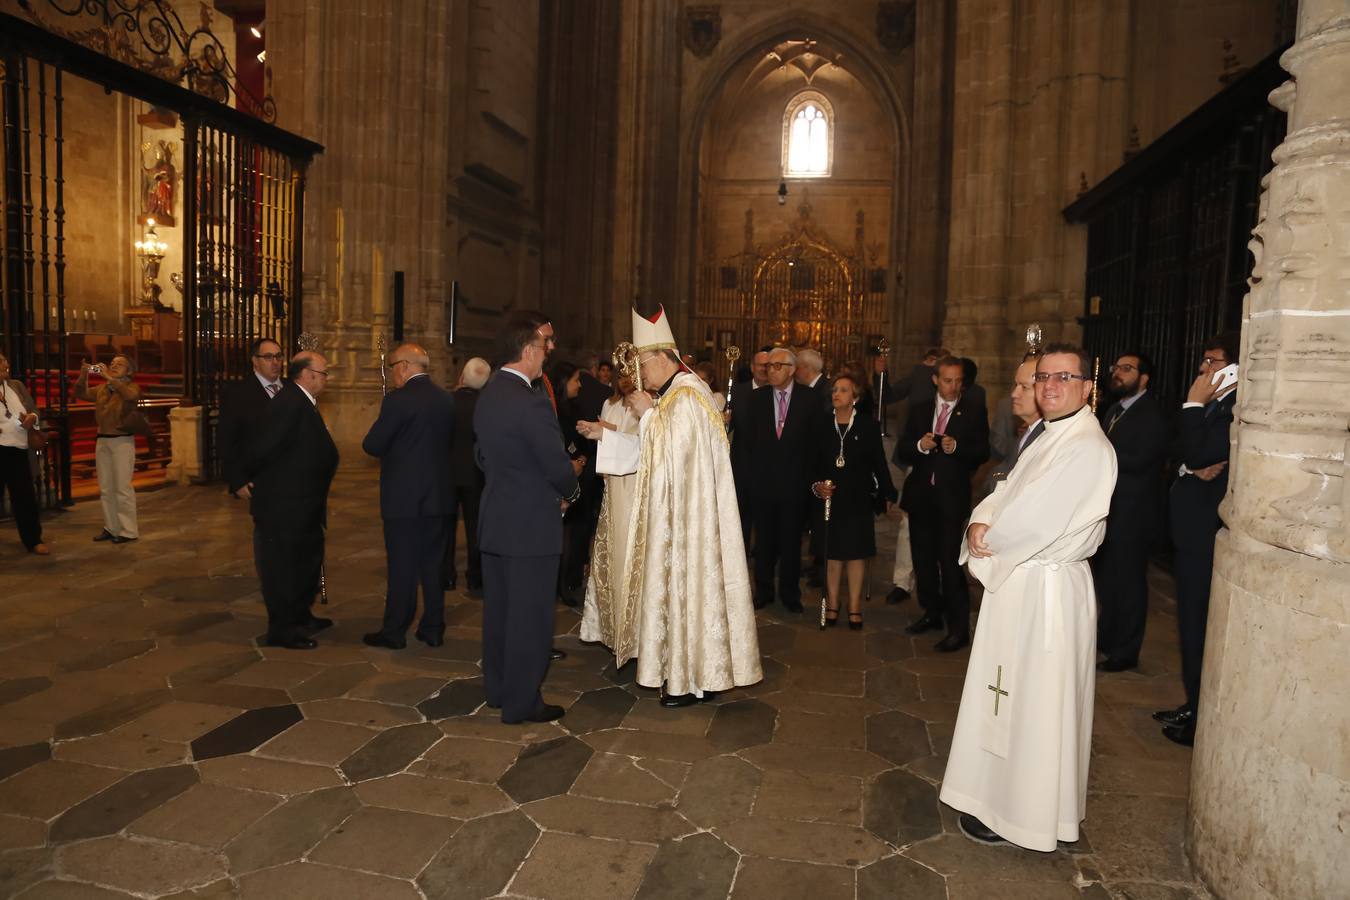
x: 1202, y: 443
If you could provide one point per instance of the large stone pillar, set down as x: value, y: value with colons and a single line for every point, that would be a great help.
x: 1270, y: 783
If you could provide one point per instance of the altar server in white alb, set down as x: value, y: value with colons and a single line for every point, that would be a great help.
x: 682, y: 603
x: 1018, y: 767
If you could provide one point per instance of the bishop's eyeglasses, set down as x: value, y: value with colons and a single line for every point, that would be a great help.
x: 1061, y: 377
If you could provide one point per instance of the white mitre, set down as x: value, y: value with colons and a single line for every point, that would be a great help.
x: 653, y: 333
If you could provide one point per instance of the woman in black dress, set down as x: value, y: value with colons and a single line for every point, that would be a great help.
x: 849, y: 468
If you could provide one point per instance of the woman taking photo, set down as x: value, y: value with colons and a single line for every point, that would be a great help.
x: 850, y: 470
x: 18, y: 420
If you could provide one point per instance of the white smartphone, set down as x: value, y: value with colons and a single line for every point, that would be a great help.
x: 1225, y: 377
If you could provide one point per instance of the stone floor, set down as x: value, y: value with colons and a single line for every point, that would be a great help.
x: 148, y: 748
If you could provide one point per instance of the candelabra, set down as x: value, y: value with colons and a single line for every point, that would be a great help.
x: 151, y: 251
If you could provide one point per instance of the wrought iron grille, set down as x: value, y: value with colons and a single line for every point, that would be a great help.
x: 32, y: 285
x: 1167, y: 258
x: 242, y: 257
x: 243, y: 202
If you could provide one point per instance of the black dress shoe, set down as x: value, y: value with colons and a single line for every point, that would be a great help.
x: 104, y: 535
x: 431, y: 640
x: 760, y: 603
x: 555, y: 653
x: 315, y: 625
x: 569, y: 600
x: 118, y: 539
x: 855, y: 621
x: 1179, y: 716
x: 979, y: 832
x: 951, y: 643
x: 1181, y: 734
x: 547, y: 713
x: 897, y: 595
x: 379, y: 639
x: 1117, y: 665
x: 922, y: 624
x: 294, y: 642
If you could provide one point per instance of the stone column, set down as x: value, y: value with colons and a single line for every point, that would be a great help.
x: 372, y: 84
x: 647, y: 164
x: 1270, y: 782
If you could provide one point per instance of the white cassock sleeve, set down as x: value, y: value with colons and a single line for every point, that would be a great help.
x: 617, y: 453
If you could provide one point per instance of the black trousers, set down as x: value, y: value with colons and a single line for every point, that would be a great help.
x: 778, y: 545
x: 518, y: 594
x: 935, y: 534
x: 16, y: 476
x: 465, y: 499
x: 415, y: 550
x: 578, y: 529
x: 1121, y: 570
x: 1193, y: 567
x: 289, y: 557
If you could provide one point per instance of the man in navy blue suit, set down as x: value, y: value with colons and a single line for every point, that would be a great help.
x: 412, y: 439
x: 529, y: 482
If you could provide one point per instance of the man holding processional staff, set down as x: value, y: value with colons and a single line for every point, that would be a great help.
x: 682, y: 605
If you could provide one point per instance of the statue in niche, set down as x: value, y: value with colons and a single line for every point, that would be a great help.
x: 159, y: 180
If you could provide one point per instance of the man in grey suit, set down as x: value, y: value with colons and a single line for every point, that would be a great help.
x: 529, y: 483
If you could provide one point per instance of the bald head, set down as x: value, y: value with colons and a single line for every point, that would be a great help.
x: 475, y: 373
x: 406, y: 361
x: 309, y: 369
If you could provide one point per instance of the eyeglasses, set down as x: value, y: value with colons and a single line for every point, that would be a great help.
x: 400, y: 362
x: 780, y: 365
x: 1124, y: 367
x: 323, y: 372
x: 1214, y: 361
x: 548, y: 340
x: 1061, y: 377
x: 270, y: 357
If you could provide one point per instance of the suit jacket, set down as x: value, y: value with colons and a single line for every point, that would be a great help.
x: 1140, y: 438
x: 782, y: 465
x: 464, y: 471
x: 950, y: 473
x: 291, y: 462
x: 411, y: 438
x: 242, y: 406
x: 740, y: 425
x: 1202, y: 440
x: 587, y: 406
x: 520, y: 450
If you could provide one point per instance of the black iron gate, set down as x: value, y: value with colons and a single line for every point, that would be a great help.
x: 243, y: 189
x: 1167, y: 232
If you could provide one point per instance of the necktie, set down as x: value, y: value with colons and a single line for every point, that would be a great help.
x: 940, y: 429
x: 782, y: 411
x: 1116, y: 413
x: 272, y: 389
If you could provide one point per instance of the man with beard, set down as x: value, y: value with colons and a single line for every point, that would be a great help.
x: 1137, y: 430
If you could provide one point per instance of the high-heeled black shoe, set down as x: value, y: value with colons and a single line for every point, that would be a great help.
x: 855, y: 624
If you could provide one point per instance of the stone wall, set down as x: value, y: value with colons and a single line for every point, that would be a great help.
x: 1270, y: 782
x: 1049, y: 99
x: 428, y: 114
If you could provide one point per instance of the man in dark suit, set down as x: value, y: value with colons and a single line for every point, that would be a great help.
x: 738, y: 424
x: 784, y: 420
x: 242, y: 405
x: 411, y: 438
x: 465, y: 476
x: 1137, y: 429
x: 530, y: 481
x: 291, y: 464
x: 944, y: 442
x: 1202, y: 445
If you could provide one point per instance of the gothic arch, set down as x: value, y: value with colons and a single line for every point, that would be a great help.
x: 865, y: 64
